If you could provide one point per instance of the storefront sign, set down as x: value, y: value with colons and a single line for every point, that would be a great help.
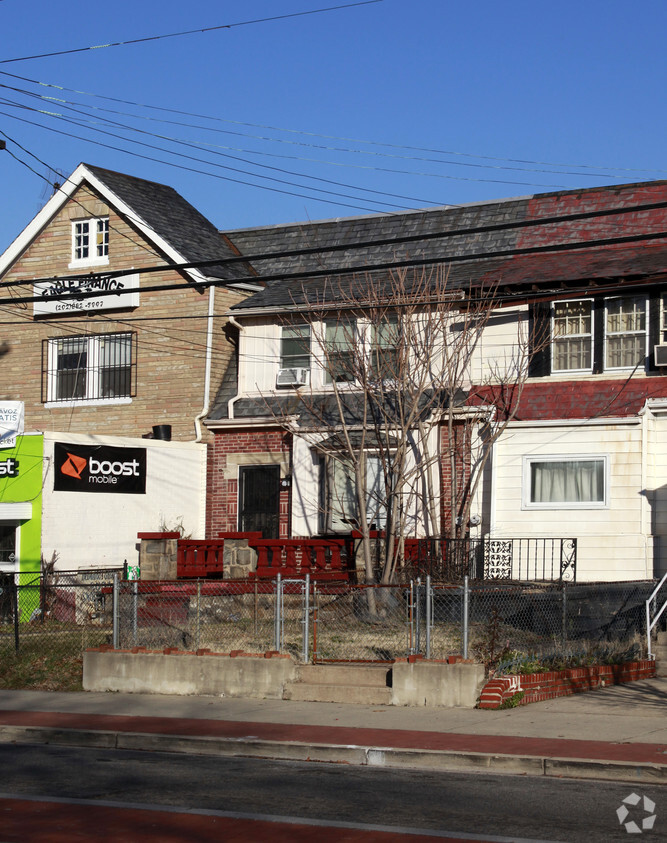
x: 11, y: 422
x: 99, y: 468
x: 9, y: 468
x: 64, y: 296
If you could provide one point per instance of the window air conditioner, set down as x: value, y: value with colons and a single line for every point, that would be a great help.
x: 660, y: 355
x: 292, y: 377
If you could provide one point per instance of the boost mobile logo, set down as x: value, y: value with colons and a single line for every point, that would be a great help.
x: 73, y: 466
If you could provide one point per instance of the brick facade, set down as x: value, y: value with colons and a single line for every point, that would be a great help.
x: 171, y: 343
x: 243, y: 447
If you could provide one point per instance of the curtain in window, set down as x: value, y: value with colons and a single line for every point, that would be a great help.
x: 567, y: 481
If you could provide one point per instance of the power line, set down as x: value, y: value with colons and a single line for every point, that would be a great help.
x: 393, y: 241
x: 214, y: 151
x: 190, y: 32
x: 386, y: 265
x: 329, y: 137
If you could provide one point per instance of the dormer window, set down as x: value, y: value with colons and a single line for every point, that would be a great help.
x: 90, y: 242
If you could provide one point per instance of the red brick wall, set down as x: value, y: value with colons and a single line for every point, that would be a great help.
x: 537, y: 687
x: 578, y: 399
x: 222, y: 492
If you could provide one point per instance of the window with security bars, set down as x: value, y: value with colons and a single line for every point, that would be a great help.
x: 625, y: 332
x: 572, y: 336
x: 89, y: 368
x: 90, y: 241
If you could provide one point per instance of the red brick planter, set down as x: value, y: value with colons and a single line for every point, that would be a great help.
x: 561, y: 683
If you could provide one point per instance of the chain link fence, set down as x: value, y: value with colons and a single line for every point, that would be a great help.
x: 46, y: 624
x: 46, y: 620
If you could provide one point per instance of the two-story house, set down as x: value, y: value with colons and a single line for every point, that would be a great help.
x: 114, y: 343
x: 575, y: 429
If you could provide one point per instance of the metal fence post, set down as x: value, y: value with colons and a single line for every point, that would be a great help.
x: 278, y: 619
x: 429, y: 615
x: 306, y: 618
x: 14, y: 597
x: 411, y: 620
x: 198, y: 618
x: 466, y: 608
x: 564, y: 617
x: 115, y: 613
x: 418, y: 615
x: 135, y: 602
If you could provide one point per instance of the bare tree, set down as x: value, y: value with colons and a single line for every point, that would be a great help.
x: 419, y: 379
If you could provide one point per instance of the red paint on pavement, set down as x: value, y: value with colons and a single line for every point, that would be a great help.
x: 65, y: 822
x: 647, y: 753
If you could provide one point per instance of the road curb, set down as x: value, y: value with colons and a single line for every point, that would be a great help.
x: 356, y: 755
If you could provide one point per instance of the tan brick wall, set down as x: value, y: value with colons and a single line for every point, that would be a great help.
x: 171, y: 341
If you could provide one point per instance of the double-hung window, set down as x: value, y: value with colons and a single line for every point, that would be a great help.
x: 340, y: 500
x: 340, y: 342
x: 90, y: 241
x: 626, y: 335
x: 89, y: 368
x: 565, y: 482
x: 295, y: 347
x: 572, y: 336
x: 385, y: 337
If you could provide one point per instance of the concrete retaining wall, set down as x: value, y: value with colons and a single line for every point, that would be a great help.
x: 436, y: 684
x: 256, y: 677
x: 263, y: 676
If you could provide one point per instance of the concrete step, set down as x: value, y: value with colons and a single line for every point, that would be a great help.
x: 376, y: 675
x: 359, y: 694
x: 362, y: 684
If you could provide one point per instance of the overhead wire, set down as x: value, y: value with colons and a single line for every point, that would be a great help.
x: 306, y: 133
x: 197, y: 31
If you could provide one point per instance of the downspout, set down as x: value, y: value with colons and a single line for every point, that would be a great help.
x: 232, y: 401
x: 209, y: 353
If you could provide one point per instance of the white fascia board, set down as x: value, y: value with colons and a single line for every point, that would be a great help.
x: 59, y: 199
x: 610, y: 421
x: 231, y: 424
x: 55, y: 203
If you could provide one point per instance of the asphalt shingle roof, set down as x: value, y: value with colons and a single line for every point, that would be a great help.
x: 471, y: 257
x: 175, y: 220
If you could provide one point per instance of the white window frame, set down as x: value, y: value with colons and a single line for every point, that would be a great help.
x: 555, y: 339
x: 92, y: 259
x: 356, y: 335
x: 640, y: 365
x: 528, y: 504
x: 93, y: 372
x: 286, y: 361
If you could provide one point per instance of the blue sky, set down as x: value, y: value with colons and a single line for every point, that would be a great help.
x: 395, y: 104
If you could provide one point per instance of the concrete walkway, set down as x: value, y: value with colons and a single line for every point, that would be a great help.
x: 617, y: 732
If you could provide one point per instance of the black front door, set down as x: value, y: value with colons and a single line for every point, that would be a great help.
x: 259, y: 500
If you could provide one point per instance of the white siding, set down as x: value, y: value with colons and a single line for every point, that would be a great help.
x: 612, y: 544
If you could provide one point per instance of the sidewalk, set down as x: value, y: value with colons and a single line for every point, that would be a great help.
x: 616, y: 733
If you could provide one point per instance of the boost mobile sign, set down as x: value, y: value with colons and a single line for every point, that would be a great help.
x: 63, y: 296
x: 99, y: 468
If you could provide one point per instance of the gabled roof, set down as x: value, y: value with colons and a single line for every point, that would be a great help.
x: 476, y: 236
x: 162, y: 215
